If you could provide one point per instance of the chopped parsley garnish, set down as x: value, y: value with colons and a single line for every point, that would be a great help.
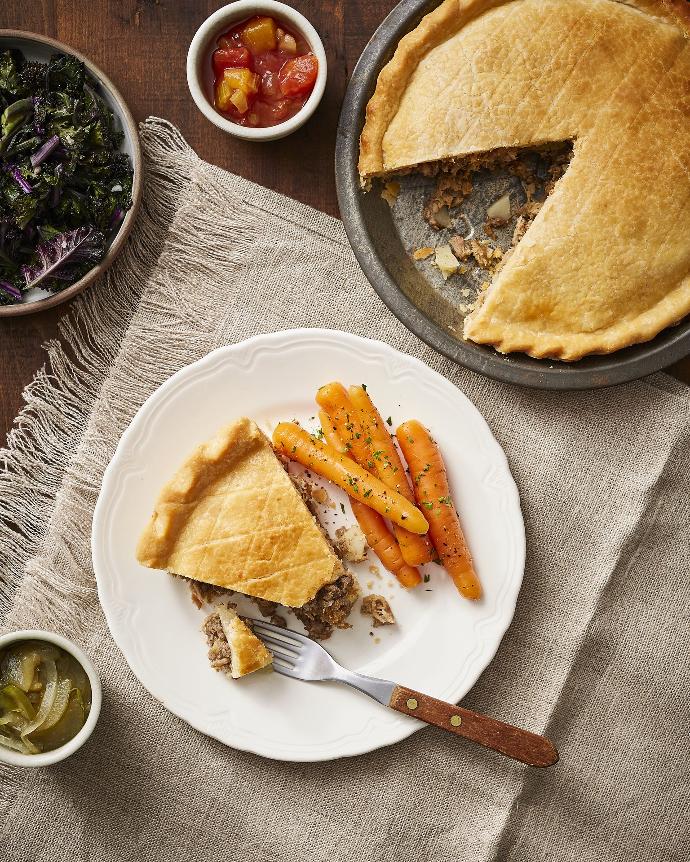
x: 342, y: 508
x: 446, y: 501
x: 367, y: 493
x: 389, y: 420
x: 427, y: 504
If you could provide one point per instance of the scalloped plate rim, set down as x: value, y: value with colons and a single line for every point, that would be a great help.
x: 398, y: 728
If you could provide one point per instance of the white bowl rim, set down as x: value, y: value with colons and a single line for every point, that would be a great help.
x: 45, y: 758
x: 225, y: 16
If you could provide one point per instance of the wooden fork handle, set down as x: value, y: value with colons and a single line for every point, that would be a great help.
x: 519, y: 744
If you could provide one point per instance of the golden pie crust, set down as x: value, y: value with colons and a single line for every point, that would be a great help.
x: 248, y: 653
x: 606, y: 262
x: 231, y: 517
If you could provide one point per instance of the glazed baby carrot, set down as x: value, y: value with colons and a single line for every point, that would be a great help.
x: 330, y: 434
x: 431, y: 490
x: 298, y: 445
x: 382, y: 542
x: 416, y: 550
x: 347, y: 419
x: 335, y: 401
x: 379, y: 538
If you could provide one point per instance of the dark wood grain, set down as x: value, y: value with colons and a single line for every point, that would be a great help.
x: 142, y: 46
x: 522, y: 745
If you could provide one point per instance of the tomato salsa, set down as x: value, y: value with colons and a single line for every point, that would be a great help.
x: 263, y: 72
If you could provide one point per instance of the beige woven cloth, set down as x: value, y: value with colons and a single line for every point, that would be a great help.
x: 597, y: 655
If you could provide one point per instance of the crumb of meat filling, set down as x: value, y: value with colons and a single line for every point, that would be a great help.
x: 378, y: 609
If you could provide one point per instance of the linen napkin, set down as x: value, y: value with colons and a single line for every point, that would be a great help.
x: 596, y: 656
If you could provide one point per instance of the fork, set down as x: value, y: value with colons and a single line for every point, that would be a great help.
x: 299, y: 657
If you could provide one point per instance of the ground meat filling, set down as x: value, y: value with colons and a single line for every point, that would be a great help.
x: 330, y: 608
x: 219, y: 654
x: 270, y: 611
x: 205, y: 594
x: 378, y: 609
x: 538, y: 168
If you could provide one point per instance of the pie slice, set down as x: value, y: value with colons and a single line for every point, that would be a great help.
x: 232, y: 517
x: 233, y: 646
x: 606, y: 261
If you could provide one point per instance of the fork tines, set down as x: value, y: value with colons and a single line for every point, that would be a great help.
x: 283, y: 643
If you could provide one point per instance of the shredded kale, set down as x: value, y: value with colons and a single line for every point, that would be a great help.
x: 65, y: 186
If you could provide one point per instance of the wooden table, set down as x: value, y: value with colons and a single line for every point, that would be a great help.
x: 142, y: 46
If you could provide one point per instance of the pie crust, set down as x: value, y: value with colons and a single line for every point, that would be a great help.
x: 231, y: 517
x: 245, y: 652
x: 606, y: 262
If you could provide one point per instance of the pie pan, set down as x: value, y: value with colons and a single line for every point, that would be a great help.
x: 37, y: 47
x: 381, y: 237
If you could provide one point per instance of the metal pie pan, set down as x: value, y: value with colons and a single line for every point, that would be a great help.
x: 411, y: 294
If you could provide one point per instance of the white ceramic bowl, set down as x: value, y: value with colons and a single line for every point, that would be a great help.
x: 16, y: 758
x: 203, y: 45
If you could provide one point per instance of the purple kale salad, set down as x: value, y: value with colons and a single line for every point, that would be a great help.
x: 64, y: 184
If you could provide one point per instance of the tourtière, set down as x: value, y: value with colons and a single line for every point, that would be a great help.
x: 606, y: 261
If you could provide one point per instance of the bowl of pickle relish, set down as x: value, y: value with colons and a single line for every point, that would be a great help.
x: 50, y: 697
x: 257, y: 70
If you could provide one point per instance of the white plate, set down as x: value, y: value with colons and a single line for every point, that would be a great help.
x: 441, y: 642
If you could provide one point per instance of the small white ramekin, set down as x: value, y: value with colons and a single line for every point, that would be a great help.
x: 45, y: 758
x: 203, y: 45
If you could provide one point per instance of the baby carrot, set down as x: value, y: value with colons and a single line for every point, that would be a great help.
x: 431, y: 490
x: 330, y: 432
x: 384, y: 458
x: 379, y: 538
x: 334, y: 400
x: 382, y: 543
x: 298, y: 445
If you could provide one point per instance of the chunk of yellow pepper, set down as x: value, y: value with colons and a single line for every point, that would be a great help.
x: 242, y: 79
x: 259, y: 34
x: 233, y: 89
